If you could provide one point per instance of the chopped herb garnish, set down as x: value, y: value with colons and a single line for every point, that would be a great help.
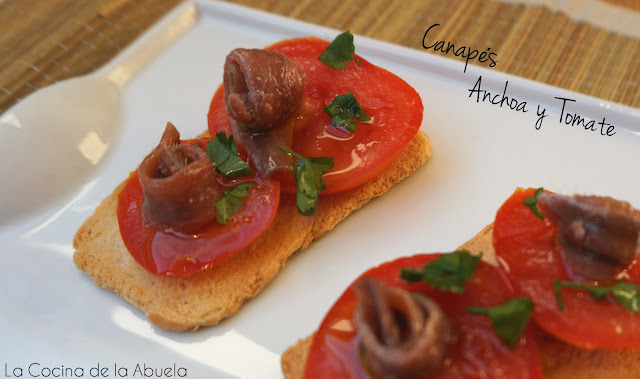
x: 344, y: 110
x: 448, y: 272
x: 509, y: 319
x: 625, y: 293
x: 339, y: 52
x: 231, y: 203
x: 223, y: 152
x: 309, y: 182
x: 532, y: 203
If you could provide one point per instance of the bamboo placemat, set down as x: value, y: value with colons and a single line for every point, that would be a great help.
x: 44, y: 42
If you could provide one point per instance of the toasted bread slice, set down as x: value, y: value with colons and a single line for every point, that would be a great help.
x: 205, y: 298
x: 559, y: 360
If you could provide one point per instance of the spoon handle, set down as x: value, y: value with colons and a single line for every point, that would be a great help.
x: 145, y: 49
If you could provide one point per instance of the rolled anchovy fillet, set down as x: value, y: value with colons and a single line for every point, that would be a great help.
x: 179, y: 185
x: 263, y: 90
x: 402, y: 334
x: 598, y: 235
x: 263, y: 149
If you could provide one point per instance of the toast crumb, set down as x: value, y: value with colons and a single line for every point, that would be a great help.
x: 205, y: 298
x: 294, y: 357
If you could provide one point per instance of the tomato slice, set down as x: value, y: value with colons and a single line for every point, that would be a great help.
x: 477, y: 353
x: 171, y: 253
x: 526, y: 246
x: 394, y: 106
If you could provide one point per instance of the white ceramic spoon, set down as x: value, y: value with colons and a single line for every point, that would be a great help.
x: 52, y: 141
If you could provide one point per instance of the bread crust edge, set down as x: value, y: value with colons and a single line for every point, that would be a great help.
x: 205, y: 298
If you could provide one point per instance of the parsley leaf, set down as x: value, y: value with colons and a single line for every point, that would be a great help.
x: 339, y: 51
x: 625, y: 293
x: 344, y: 110
x: 509, y: 319
x: 448, y: 272
x: 309, y: 183
x: 223, y: 152
x: 532, y: 203
x: 231, y: 203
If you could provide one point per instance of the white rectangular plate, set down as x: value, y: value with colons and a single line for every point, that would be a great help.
x: 52, y: 315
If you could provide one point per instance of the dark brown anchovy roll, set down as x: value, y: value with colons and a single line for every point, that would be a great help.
x: 402, y: 334
x: 599, y: 236
x: 179, y: 185
x: 263, y: 90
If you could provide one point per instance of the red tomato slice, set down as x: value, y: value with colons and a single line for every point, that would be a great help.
x: 394, y: 106
x: 477, y: 353
x: 171, y: 253
x: 526, y: 245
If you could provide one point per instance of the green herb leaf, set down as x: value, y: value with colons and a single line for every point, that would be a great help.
x: 309, y: 182
x: 231, y: 203
x: 339, y: 51
x: 223, y: 152
x: 448, y: 272
x: 532, y: 203
x: 624, y: 293
x: 509, y: 319
x: 344, y: 110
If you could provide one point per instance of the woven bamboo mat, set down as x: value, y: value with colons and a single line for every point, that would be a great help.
x: 44, y: 42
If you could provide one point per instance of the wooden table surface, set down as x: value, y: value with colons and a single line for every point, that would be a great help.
x: 44, y: 42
